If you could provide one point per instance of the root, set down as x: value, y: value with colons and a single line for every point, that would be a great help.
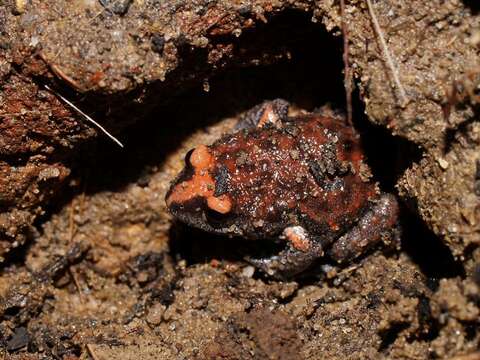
x: 57, y: 70
x: 346, y: 61
x: 390, y: 62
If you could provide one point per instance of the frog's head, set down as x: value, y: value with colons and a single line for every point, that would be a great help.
x: 195, y: 196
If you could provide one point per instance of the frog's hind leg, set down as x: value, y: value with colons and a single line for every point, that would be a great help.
x: 269, y: 112
x: 299, y: 254
x: 377, y: 224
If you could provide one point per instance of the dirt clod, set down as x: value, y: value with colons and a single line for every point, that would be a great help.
x: 259, y: 334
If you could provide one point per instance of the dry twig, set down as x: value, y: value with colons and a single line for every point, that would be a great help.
x: 471, y: 356
x: 88, y: 118
x: 71, y: 270
x: 57, y: 70
x: 92, y: 352
x: 347, y: 74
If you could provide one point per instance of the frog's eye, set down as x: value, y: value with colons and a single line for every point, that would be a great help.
x: 188, y: 156
x: 215, y: 216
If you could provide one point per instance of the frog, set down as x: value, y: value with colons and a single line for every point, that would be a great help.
x: 298, y: 179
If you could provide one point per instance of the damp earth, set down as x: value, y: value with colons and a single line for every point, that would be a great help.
x: 94, y: 266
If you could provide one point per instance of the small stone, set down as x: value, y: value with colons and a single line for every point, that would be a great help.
x: 248, y: 271
x: 206, y: 85
x: 19, y: 7
x: 142, y: 277
x: 34, y: 41
x: 245, y: 10
x: 119, y: 7
x: 158, y: 43
x: 475, y: 38
x: 19, y: 340
x: 443, y: 163
x: 237, y: 32
x: 155, y: 314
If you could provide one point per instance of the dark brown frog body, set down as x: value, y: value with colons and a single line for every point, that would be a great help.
x: 302, y: 179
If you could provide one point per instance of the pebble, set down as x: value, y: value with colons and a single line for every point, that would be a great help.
x: 155, y: 314
x: 248, y: 271
x: 119, y: 7
x: 443, y: 163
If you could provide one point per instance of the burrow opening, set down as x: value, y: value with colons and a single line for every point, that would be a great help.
x: 473, y: 5
x: 310, y: 78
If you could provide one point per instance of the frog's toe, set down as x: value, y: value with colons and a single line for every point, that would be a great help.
x: 298, y: 238
x: 269, y: 112
x: 288, y: 262
x: 269, y: 266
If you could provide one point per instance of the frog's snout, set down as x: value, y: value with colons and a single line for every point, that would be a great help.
x: 198, y: 183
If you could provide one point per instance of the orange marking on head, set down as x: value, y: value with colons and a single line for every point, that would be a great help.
x: 201, y: 159
x: 221, y: 204
x: 201, y: 184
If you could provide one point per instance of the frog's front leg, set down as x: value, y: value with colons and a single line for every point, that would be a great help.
x: 377, y: 224
x: 268, y: 112
x: 298, y: 255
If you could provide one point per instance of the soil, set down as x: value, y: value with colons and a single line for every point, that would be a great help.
x: 93, y: 266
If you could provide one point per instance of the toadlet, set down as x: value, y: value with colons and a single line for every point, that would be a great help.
x: 301, y: 180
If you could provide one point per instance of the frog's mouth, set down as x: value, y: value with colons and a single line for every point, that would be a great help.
x: 197, y: 213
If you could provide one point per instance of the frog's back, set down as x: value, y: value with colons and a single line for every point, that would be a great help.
x: 306, y: 170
